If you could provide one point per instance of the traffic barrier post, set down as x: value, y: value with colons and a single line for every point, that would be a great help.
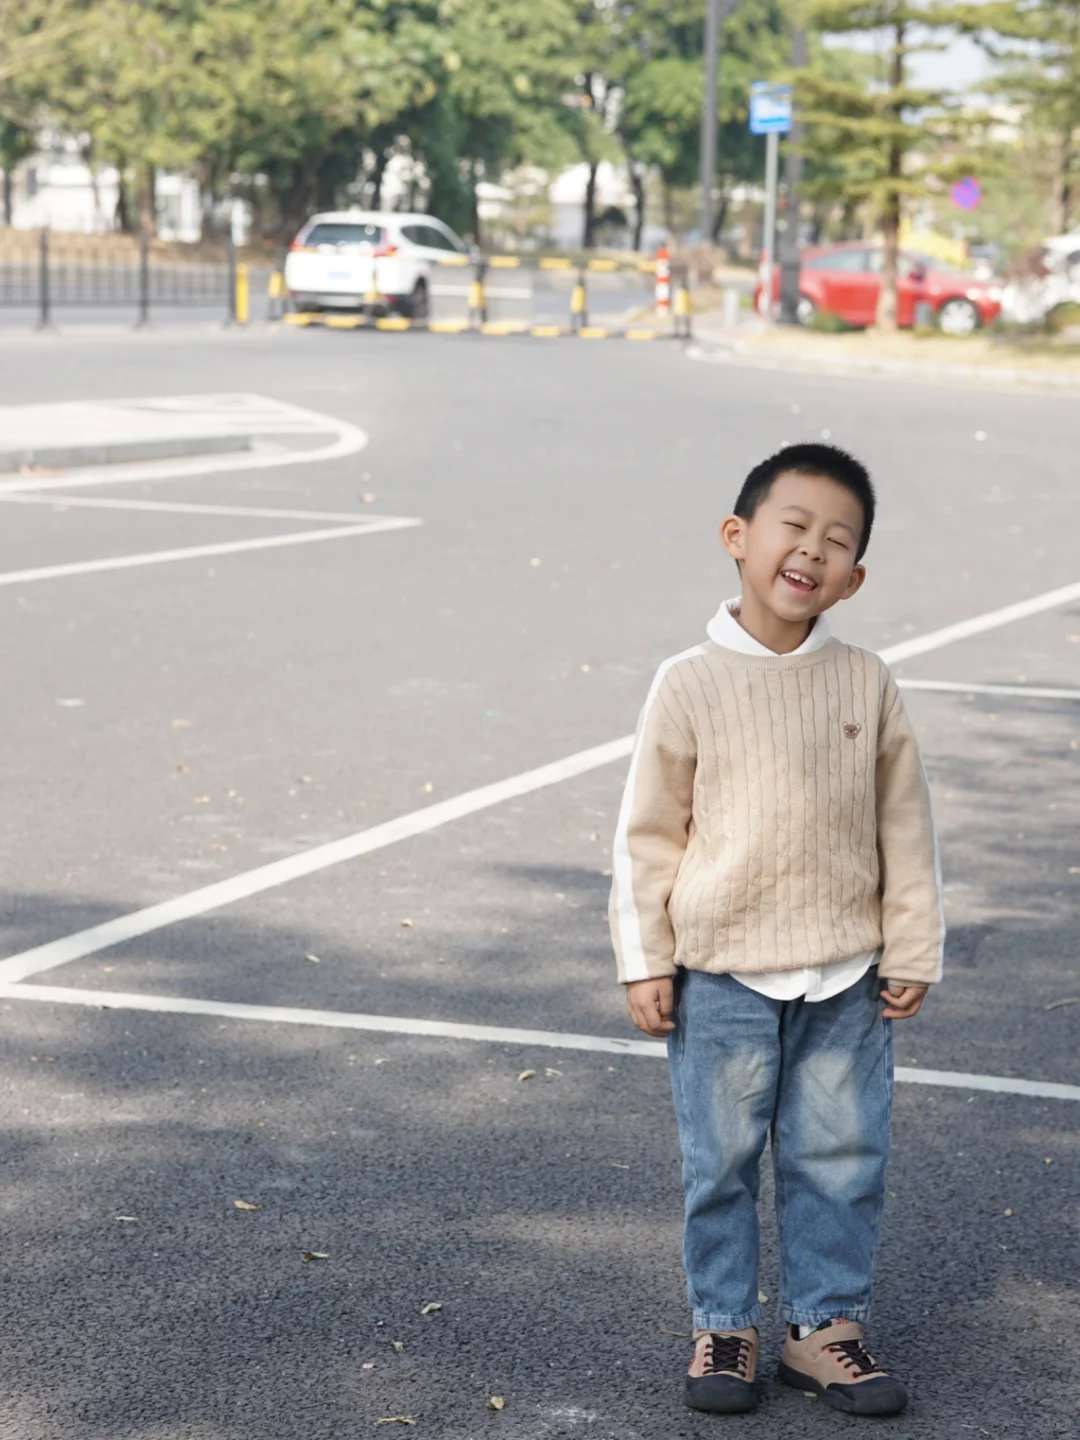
x: 579, y: 305
x: 663, y: 281
x: 44, y: 304
x: 144, y: 281
x: 682, y: 305
x: 275, y: 289
x: 231, y: 283
x: 241, y: 303
x: 477, y: 297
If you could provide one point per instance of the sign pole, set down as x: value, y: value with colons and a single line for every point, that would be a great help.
x: 708, y: 117
x: 772, y: 150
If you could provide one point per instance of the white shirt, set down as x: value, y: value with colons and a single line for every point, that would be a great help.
x: 816, y: 982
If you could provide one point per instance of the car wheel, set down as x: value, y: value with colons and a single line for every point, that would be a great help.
x: 958, y: 317
x: 416, y: 306
x: 805, y: 310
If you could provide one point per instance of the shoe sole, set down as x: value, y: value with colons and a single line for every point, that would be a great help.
x: 871, y: 1403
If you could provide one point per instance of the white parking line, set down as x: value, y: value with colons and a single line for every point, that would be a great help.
x: 1027, y: 692
x: 280, y: 872
x: 490, y: 1034
x: 197, y: 552
x: 176, y: 507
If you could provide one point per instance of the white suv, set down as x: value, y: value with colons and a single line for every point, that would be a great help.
x: 341, y: 258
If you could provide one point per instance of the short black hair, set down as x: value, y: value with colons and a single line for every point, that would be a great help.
x: 811, y: 459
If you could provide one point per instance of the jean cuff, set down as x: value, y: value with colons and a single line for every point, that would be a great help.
x: 712, y: 1320
x: 794, y: 1316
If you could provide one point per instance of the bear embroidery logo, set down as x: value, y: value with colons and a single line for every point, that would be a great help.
x: 851, y: 729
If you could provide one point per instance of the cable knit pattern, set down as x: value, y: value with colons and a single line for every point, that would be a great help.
x: 776, y: 816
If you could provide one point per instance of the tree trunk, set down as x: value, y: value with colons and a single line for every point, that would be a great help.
x: 377, y: 180
x: 890, y: 214
x: 147, y: 203
x: 9, y: 198
x: 589, y: 236
x: 723, y: 204
x: 1064, y: 195
x: 123, y: 206
x: 637, y: 184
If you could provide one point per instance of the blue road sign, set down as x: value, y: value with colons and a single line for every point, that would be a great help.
x: 770, y: 108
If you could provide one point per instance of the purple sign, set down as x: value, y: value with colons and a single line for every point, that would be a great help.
x: 967, y: 193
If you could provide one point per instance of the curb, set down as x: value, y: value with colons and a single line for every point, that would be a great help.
x: 117, y: 452
x: 398, y: 324
x: 719, y: 352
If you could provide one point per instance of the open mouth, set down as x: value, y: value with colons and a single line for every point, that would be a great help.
x: 798, y: 581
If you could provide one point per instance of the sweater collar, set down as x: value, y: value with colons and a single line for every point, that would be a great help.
x: 724, y: 630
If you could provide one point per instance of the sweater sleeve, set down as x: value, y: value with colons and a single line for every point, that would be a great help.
x: 912, y: 916
x: 652, y: 836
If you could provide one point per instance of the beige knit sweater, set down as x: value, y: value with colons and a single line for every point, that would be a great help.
x: 776, y: 815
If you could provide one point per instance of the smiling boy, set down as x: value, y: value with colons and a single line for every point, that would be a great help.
x: 776, y: 905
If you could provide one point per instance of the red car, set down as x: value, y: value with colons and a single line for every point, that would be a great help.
x: 845, y: 280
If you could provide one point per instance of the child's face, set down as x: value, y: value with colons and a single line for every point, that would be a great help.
x: 797, y: 554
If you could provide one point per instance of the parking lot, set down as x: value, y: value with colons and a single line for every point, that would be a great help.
x: 310, y: 771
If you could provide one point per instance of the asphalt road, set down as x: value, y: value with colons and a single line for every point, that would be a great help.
x: 219, y: 714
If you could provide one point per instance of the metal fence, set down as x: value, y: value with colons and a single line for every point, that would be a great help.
x: 45, y: 271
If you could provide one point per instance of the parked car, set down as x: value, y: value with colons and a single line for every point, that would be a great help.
x: 341, y: 258
x: 845, y: 280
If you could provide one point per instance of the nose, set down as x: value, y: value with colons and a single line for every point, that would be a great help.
x: 812, y: 547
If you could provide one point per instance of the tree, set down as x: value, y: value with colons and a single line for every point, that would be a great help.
x: 896, y: 140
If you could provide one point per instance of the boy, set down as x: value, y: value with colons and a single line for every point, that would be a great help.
x: 775, y: 867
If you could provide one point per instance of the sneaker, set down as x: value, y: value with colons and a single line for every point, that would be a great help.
x: 722, y: 1372
x: 832, y: 1362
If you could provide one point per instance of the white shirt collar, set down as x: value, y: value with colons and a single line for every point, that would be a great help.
x: 724, y: 629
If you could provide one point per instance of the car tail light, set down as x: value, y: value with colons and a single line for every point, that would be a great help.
x: 297, y: 249
x: 383, y: 252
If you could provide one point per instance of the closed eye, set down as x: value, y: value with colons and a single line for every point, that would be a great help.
x: 794, y: 524
x: 837, y: 542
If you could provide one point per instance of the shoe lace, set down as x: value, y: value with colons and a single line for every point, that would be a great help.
x: 855, y: 1356
x: 726, y: 1353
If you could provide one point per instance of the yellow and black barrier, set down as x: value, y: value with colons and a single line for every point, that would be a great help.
x: 399, y: 324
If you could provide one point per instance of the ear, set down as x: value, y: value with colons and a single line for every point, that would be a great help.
x: 733, y: 536
x: 855, y: 581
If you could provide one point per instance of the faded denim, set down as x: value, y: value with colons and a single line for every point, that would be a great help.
x: 819, y: 1077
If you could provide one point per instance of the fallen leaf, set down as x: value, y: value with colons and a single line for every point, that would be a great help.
x: 219, y: 847
x: 616, y: 1166
x: 368, y: 498
x: 431, y: 1307
x: 182, y: 769
x: 133, y: 1219
x: 396, y: 1420
x: 314, y: 1255
x: 763, y: 1299
x: 368, y: 1365
x: 526, y: 1074
x: 406, y: 924
x: 1010, y: 1212
x: 72, y: 704
x: 1073, y: 639
x: 551, y: 1072
x: 398, y: 1344
x: 202, y: 799
x: 1060, y: 1004
x: 606, y: 874
x: 314, y: 959
x: 304, y: 780
x: 245, y: 1205
x: 181, y: 724
x: 1049, y: 1160
x: 1074, y: 869
x: 495, y: 1402
x: 585, y: 669
x: 534, y: 562
x: 428, y: 787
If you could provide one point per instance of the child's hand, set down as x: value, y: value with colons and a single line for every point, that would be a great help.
x: 902, y: 1001
x: 650, y: 1003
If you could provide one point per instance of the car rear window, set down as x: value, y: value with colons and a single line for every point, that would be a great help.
x: 338, y: 233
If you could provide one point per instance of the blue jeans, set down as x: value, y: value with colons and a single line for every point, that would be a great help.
x: 820, y: 1078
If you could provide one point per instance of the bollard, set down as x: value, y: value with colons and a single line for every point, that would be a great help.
x: 275, y: 294
x: 241, y: 303
x: 579, y: 305
x: 44, y: 298
x: 144, y: 281
x: 478, y: 297
x: 682, y: 307
x: 663, y: 281
x: 230, y: 288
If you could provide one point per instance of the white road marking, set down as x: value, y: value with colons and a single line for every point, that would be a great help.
x: 964, y: 629
x: 265, y: 877
x: 255, y: 413
x: 451, y: 1030
x: 1028, y: 692
x: 171, y: 507
x: 197, y: 552
x: 280, y: 872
